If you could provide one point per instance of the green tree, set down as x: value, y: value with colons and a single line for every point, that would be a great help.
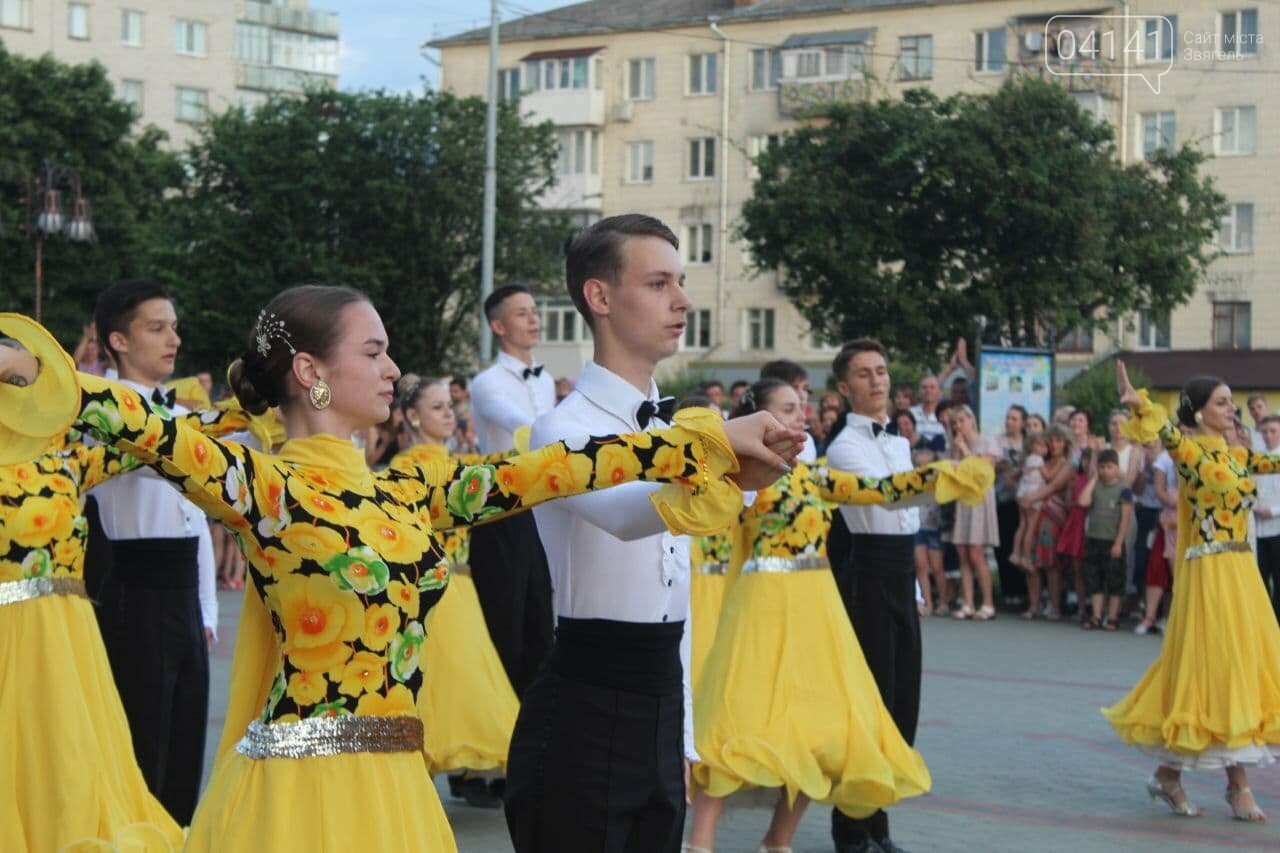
x: 67, y: 114
x: 1094, y: 390
x: 378, y: 191
x: 1008, y: 214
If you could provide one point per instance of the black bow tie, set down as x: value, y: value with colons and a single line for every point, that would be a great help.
x: 662, y: 410
x: 536, y: 370
x: 876, y: 429
x: 164, y: 398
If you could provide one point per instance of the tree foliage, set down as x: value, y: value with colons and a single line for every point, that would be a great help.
x: 1094, y: 390
x: 380, y: 192
x: 1008, y: 215
x: 67, y: 115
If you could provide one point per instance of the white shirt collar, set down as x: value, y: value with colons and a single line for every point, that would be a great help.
x: 612, y: 393
x: 513, y: 364
x: 144, y: 390
x: 854, y: 419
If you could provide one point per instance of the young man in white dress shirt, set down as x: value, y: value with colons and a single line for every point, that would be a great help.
x: 1268, y: 512
x: 507, y: 561
x: 156, y: 606
x: 600, y: 752
x: 878, y: 581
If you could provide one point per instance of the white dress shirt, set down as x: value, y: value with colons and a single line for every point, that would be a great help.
x: 809, y: 453
x: 1268, y: 496
x: 858, y: 451
x: 503, y: 400
x: 609, y: 552
x: 143, y: 505
x: 928, y: 426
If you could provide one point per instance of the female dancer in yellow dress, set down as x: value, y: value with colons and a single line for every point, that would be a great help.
x: 786, y: 699
x: 67, y: 756
x: 1211, y: 700
x: 467, y: 704
x: 322, y: 747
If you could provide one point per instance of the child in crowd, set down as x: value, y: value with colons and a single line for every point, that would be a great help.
x: 1032, y: 481
x: 1110, y: 505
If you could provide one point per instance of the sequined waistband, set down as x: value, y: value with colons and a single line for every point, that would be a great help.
x: 1206, y: 548
x: 331, y: 736
x: 713, y: 569
x: 785, y: 564
x: 12, y: 592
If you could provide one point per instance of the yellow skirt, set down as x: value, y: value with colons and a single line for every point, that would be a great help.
x: 67, y: 767
x: 467, y: 705
x: 786, y: 700
x: 1212, y: 697
x: 706, y: 599
x: 357, y: 801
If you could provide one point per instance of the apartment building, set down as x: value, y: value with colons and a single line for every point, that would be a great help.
x: 179, y: 60
x: 661, y: 106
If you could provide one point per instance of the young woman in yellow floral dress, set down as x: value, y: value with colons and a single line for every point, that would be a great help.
x: 785, y: 699
x: 67, y: 755
x: 1211, y: 700
x: 468, y: 706
x: 322, y: 746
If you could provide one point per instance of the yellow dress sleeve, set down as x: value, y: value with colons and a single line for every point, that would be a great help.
x: 695, y: 454
x: 1150, y: 421
x: 968, y: 482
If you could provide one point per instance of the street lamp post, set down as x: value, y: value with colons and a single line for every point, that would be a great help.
x: 44, y: 211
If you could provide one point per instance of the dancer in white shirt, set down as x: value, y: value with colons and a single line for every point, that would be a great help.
x: 596, y: 757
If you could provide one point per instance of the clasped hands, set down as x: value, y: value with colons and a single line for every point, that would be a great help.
x: 764, y: 447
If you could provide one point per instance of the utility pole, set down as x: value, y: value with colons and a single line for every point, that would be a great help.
x: 490, y: 184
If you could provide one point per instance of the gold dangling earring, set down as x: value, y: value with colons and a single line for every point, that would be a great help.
x: 1200, y: 417
x: 320, y: 395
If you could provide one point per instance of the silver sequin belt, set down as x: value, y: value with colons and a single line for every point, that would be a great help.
x: 785, y: 564
x: 1207, y: 548
x: 12, y: 592
x: 331, y: 736
x: 713, y: 569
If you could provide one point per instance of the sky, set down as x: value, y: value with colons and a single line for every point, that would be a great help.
x: 381, y: 38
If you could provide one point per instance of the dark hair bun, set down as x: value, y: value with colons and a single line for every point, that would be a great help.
x: 1186, y: 415
x: 251, y: 398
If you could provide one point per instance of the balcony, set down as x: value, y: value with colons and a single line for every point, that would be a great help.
x: 574, y: 192
x: 1073, y: 52
x: 289, y: 18
x: 565, y: 107
x: 268, y: 78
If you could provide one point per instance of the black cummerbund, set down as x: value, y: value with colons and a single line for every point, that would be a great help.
x: 640, y: 657
x: 157, y: 563
x: 884, y: 553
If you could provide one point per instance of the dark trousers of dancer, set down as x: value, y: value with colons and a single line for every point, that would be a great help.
x: 597, y: 755
x: 1269, y: 565
x: 881, y: 576
x: 149, y: 612
x: 513, y: 584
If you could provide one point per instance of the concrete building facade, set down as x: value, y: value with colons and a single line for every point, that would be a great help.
x: 178, y: 61
x: 661, y: 106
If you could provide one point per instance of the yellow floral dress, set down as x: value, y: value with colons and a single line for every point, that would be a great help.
x: 345, y: 564
x: 709, y: 560
x: 1212, y: 697
x: 467, y: 704
x: 67, y: 750
x: 786, y: 699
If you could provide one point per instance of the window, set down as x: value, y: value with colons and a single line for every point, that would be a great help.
x: 697, y: 330
x: 1079, y: 339
x: 131, y: 28
x: 916, y: 57
x: 253, y: 43
x: 757, y: 145
x: 1153, y: 332
x: 843, y: 61
x: 131, y: 94
x: 639, y: 162
x: 188, y: 37
x: 561, y: 323
x: 1158, y: 38
x: 303, y: 52
x: 579, y: 152
x: 640, y: 73
x: 697, y: 243
x: 702, y: 74
x: 760, y: 322
x: 809, y: 63
x: 570, y: 72
x: 1236, y: 233
x: 1231, y: 325
x: 988, y: 51
x: 702, y: 158
x: 193, y: 104
x: 1239, y: 32
x: 15, y: 14
x: 1159, y: 132
x: 1235, y: 130
x: 77, y: 21
x: 766, y: 68
x: 508, y: 84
